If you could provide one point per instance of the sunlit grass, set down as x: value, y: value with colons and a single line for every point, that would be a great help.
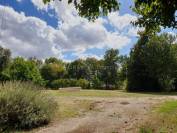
x: 168, y: 107
x: 97, y: 93
x: 69, y: 108
x: 164, y: 118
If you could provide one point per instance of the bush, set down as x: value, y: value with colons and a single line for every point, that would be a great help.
x: 61, y: 83
x: 84, y: 84
x: 24, y: 107
x: 97, y: 84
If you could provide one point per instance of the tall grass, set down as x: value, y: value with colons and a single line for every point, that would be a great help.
x: 23, y: 106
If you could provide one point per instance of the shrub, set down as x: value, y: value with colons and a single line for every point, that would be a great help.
x: 84, y: 84
x: 24, y: 107
x: 97, y: 84
x: 61, y: 83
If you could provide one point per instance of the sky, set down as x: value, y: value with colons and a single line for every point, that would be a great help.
x: 31, y: 29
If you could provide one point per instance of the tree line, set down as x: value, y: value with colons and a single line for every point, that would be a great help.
x: 150, y: 66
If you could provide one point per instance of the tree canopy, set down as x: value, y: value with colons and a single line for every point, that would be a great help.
x: 152, y: 13
x: 152, y: 64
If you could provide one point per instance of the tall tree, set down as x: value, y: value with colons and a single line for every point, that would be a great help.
x: 110, y: 68
x: 4, y: 58
x: 152, y: 64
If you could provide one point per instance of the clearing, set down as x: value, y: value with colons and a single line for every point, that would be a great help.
x: 93, y: 111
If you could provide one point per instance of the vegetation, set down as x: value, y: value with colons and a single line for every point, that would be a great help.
x: 22, y: 106
x: 152, y: 64
x: 163, y: 119
x: 152, y: 13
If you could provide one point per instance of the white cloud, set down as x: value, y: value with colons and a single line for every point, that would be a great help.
x: 19, y: 0
x: 27, y: 36
x: 120, y: 22
x: 30, y: 36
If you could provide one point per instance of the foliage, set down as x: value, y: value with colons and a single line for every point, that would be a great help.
x: 52, y: 71
x: 24, y: 107
x: 94, y: 67
x: 92, y: 9
x: 152, y: 64
x: 152, y: 13
x: 110, y: 68
x: 61, y: 83
x: 96, y: 83
x: 156, y: 13
x: 4, y: 58
x: 25, y: 70
x: 84, y: 84
x: 78, y: 70
x: 53, y: 60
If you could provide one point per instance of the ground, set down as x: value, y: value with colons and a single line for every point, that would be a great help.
x: 102, y: 111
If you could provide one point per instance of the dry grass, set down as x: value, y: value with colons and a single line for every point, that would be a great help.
x: 163, y: 119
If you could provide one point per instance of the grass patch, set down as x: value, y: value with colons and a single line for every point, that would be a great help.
x: 163, y: 119
x: 70, y: 108
x: 168, y: 107
x: 96, y: 93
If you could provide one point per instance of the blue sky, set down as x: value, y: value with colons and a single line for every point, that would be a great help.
x: 30, y: 28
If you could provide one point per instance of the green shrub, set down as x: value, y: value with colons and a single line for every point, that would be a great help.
x: 61, y: 83
x: 84, y: 84
x: 97, y: 84
x: 22, y: 106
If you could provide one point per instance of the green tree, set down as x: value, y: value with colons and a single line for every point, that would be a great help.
x: 54, y: 60
x: 78, y: 69
x: 5, y: 55
x: 52, y: 71
x: 110, y: 67
x: 155, y: 13
x: 37, y: 61
x: 152, y: 64
x: 25, y: 70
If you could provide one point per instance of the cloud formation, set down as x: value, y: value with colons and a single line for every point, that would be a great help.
x: 30, y: 36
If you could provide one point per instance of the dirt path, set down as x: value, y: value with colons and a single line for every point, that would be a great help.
x: 110, y: 115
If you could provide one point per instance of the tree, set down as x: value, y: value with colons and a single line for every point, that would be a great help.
x: 37, y: 61
x: 152, y: 64
x: 110, y: 68
x: 122, y: 73
x: 54, y: 60
x: 4, y: 58
x: 78, y: 70
x: 52, y: 71
x: 24, y: 70
x: 92, y: 9
x: 94, y: 67
x: 153, y: 13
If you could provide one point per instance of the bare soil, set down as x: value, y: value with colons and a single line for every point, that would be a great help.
x: 109, y: 115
